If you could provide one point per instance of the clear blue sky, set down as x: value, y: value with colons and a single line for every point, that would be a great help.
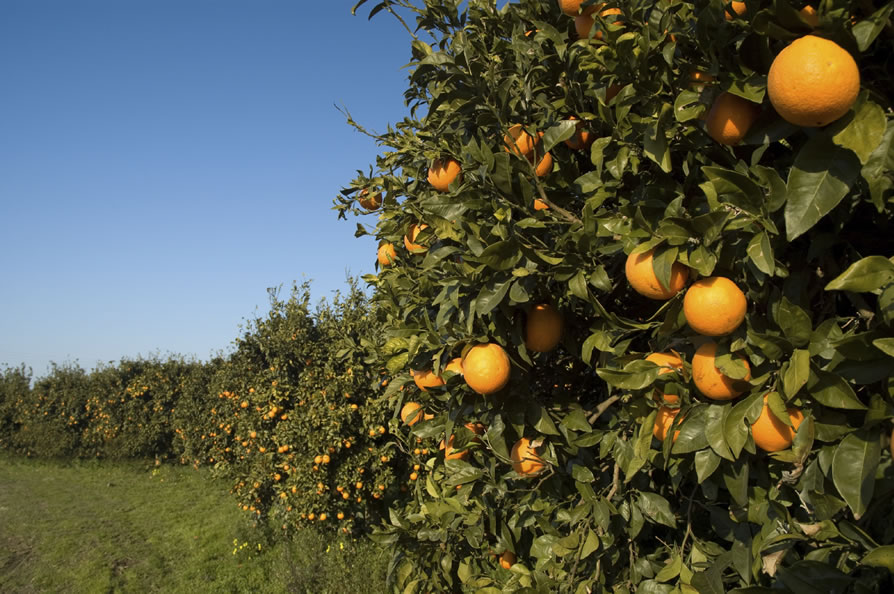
x: 163, y: 162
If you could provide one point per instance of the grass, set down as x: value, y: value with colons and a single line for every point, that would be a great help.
x: 129, y: 527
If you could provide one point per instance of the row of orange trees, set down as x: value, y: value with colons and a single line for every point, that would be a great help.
x: 293, y: 417
x: 658, y: 234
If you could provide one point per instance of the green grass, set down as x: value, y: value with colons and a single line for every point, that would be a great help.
x: 129, y: 527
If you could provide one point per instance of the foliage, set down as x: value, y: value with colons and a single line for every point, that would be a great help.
x: 295, y: 389
x: 800, y: 219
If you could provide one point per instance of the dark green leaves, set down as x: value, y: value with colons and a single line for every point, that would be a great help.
x: 853, y: 468
x: 868, y: 274
x: 821, y: 176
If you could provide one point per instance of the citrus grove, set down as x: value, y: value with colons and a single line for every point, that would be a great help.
x: 630, y: 328
x: 657, y: 237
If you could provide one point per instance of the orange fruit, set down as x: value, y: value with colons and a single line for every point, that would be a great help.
x: 545, y: 166
x: 368, y: 201
x: 664, y: 421
x: 455, y: 366
x: 540, y: 204
x: 452, y: 454
x: 810, y: 16
x: 730, y: 118
x: 584, y: 23
x: 714, y: 306
x: 582, y: 139
x: 507, y: 559
x: 442, y: 173
x: 738, y: 7
x: 518, y: 141
x: 813, y: 82
x: 411, y: 413
x: 770, y: 434
x: 486, y: 368
x: 642, y: 279
x: 543, y: 328
x: 411, y: 236
x: 426, y: 379
x: 669, y: 363
x: 387, y: 255
x: 709, y: 380
x: 525, y: 461
x: 572, y: 7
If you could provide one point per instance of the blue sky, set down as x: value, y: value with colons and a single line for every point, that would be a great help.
x: 163, y: 162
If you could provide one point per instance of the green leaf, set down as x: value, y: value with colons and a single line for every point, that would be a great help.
x: 501, y: 255
x: 860, y: 131
x: 867, y: 274
x: 880, y: 557
x: 830, y: 389
x: 813, y: 577
x: 655, y: 141
x: 886, y: 345
x: 794, y: 322
x: 591, y: 545
x: 706, y: 462
x: 657, y: 509
x: 557, y: 133
x: 853, y: 468
x: 868, y: 29
x: 797, y: 374
x: 761, y: 253
x: 821, y: 176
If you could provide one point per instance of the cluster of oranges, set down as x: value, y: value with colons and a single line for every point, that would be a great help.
x: 713, y: 307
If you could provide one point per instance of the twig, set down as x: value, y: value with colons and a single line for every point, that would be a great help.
x: 603, y: 406
x: 616, y: 482
x: 688, y: 521
x: 564, y: 213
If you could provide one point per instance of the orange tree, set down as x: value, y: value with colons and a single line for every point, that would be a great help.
x: 295, y: 419
x: 626, y: 164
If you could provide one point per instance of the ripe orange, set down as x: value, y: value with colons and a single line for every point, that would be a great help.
x: 714, y: 306
x: 525, y: 460
x: 709, y: 380
x: 426, y: 379
x: 519, y: 141
x: 411, y: 236
x: 738, y: 7
x: 411, y: 413
x: 810, y: 16
x: 572, y: 7
x: 455, y: 366
x: 582, y: 139
x: 545, y: 166
x: 813, y: 82
x: 442, y: 173
x: 669, y: 363
x: 369, y: 202
x: 507, y: 559
x: 387, y: 255
x: 663, y: 422
x: 486, y: 368
x: 770, y: 434
x: 543, y: 328
x: 730, y: 118
x: 452, y: 454
x: 642, y: 279
x: 540, y: 204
